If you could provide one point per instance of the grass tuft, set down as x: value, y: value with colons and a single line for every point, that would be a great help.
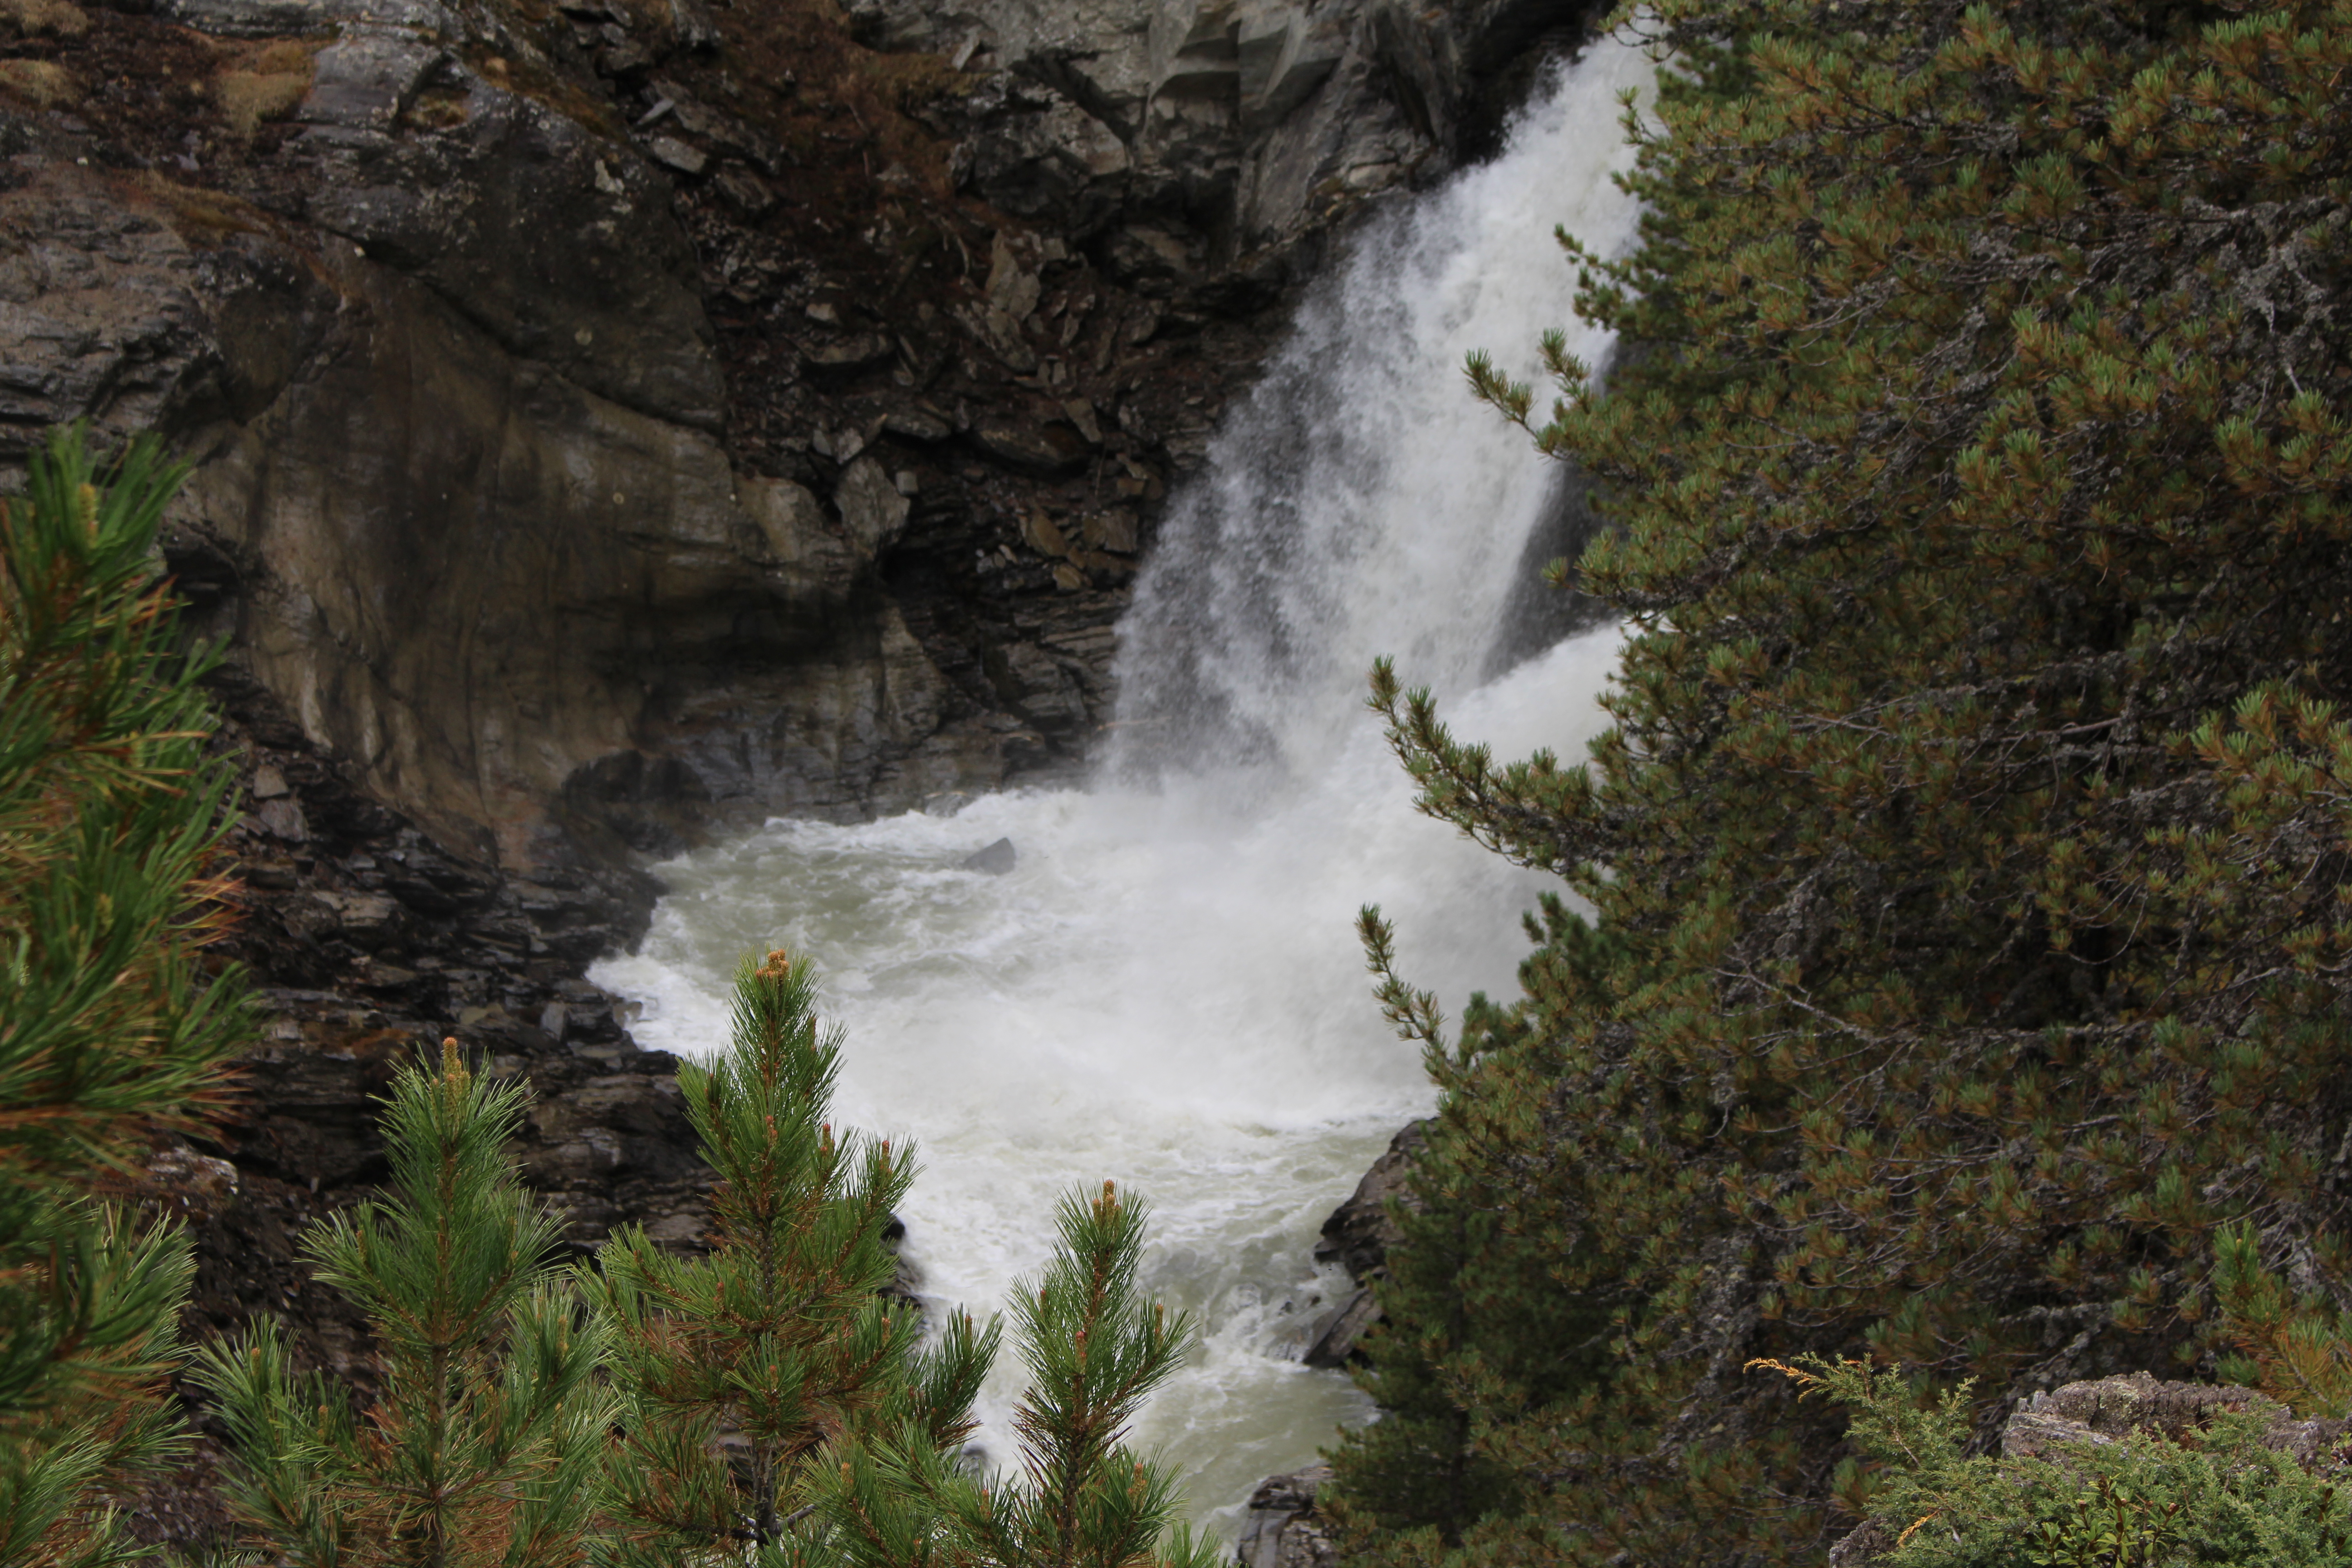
x: 44, y: 18
x: 41, y: 83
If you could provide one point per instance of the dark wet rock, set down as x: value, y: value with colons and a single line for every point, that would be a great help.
x: 1341, y: 1331
x: 1358, y: 1236
x: 996, y: 859
x: 1360, y: 1232
x: 1283, y: 1528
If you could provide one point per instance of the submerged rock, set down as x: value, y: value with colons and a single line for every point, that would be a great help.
x: 996, y: 859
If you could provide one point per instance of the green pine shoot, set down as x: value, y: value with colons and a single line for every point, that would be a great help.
x: 736, y: 1369
x: 112, y: 1028
x: 487, y: 1442
x: 1094, y: 1350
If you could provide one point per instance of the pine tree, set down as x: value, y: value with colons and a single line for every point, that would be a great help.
x: 1966, y: 871
x: 1463, y: 1288
x: 1094, y: 1350
x: 487, y: 1440
x: 738, y: 1368
x: 114, y: 1028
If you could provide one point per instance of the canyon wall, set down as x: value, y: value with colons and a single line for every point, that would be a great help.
x: 615, y: 419
x: 612, y: 421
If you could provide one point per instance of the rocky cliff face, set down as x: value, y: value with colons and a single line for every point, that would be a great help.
x: 618, y: 418
x: 612, y: 420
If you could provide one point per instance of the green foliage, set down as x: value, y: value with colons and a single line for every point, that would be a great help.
x: 108, y: 824
x: 112, y: 1028
x: 1962, y: 922
x: 2297, y: 1349
x: 781, y: 1343
x: 1094, y: 1350
x: 766, y: 1403
x: 486, y: 1439
x: 1467, y: 1304
x: 2219, y: 1496
x: 780, y: 1339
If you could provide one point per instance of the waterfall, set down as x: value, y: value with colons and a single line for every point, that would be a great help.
x: 1358, y: 501
x: 1165, y: 990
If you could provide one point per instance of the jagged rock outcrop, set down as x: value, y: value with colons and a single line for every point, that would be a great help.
x: 1283, y: 1528
x: 1360, y: 1232
x: 1358, y: 1236
x: 613, y: 420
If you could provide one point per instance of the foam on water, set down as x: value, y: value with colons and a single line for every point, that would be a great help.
x: 1166, y: 991
x: 1158, y: 993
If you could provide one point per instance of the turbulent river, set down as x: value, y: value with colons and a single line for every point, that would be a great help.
x: 1165, y: 989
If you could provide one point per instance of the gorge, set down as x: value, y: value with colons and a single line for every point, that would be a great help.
x: 1164, y: 988
x: 922, y: 482
x: 578, y: 488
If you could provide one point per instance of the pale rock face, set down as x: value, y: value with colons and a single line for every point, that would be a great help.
x: 479, y: 574
x: 871, y: 508
x: 1256, y: 103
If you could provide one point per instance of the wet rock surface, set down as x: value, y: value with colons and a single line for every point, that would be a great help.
x: 1360, y: 1232
x: 995, y: 860
x: 1283, y: 1528
x: 1358, y: 1236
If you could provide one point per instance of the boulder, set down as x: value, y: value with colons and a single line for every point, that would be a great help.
x: 2106, y: 1408
x: 1052, y: 447
x: 1342, y: 1329
x: 2102, y: 1410
x: 1360, y: 1232
x: 995, y: 860
x: 1283, y: 1528
x: 873, y: 508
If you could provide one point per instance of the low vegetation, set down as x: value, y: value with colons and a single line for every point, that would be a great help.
x: 2223, y: 1491
x: 268, y: 87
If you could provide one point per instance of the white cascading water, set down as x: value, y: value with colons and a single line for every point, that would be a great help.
x: 1166, y: 991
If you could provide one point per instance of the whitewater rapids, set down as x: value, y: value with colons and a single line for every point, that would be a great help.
x: 1166, y: 991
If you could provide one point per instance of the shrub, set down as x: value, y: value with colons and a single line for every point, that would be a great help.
x: 486, y: 1437
x: 2222, y: 1494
